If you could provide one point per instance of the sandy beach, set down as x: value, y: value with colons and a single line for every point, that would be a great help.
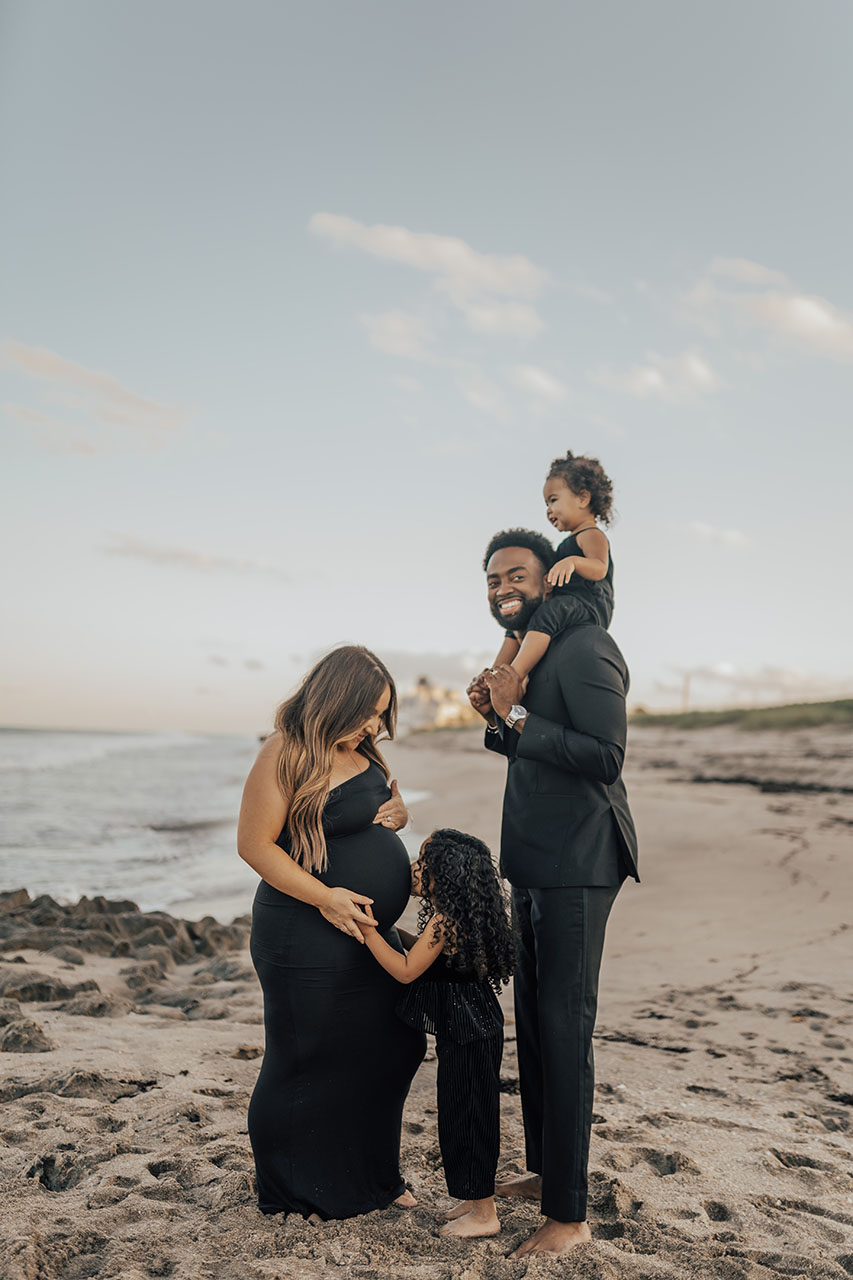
x: 724, y: 1053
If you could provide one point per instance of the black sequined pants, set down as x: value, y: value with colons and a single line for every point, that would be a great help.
x: 469, y: 1114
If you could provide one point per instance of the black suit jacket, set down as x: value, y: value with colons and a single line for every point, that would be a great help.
x: 566, y: 819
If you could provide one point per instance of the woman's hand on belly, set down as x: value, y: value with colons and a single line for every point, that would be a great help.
x: 393, y: 814
x: 341, y: 908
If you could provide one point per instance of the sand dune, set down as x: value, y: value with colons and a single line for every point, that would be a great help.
x: 722, y: 1137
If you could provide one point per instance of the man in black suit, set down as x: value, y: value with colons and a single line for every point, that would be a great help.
x: 567, y: 843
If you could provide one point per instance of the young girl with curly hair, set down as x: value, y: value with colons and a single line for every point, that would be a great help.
x: 456, y: 967
x: 578, y: 495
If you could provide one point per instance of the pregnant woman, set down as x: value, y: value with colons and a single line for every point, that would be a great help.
x: 318, y: 823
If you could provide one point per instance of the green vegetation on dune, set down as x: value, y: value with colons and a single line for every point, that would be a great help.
x: 800, y: 715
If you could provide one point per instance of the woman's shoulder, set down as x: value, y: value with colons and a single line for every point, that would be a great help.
x: 270, y: 751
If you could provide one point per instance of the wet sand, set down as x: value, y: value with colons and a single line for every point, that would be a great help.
x: 722, y: 1137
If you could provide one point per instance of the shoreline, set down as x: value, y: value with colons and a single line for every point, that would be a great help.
x: 721, y: 1139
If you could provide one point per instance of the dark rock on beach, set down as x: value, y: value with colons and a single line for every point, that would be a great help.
x: 24, y: 1036
x: 25, y: 984
x: 10, y: 1010
x: 69, y: 954
x: 97, y: 926
x: 96, y: 1005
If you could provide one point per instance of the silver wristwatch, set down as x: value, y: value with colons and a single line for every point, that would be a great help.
x: 514, y: 715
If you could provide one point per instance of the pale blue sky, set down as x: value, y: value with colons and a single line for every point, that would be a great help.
x: 244, y: 418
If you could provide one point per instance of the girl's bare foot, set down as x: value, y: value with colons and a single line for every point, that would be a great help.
x: 470, y: 1225
x: 526, y: 1186
x: 406, y: 1200
x: 554, y: 1238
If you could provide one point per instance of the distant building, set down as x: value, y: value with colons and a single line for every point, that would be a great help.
x: 434, y: 706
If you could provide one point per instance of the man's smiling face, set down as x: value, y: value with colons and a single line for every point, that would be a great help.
x: 515, y: 579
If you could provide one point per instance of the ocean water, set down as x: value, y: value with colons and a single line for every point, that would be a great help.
x: 151, y: 817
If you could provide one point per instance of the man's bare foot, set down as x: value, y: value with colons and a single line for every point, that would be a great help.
x: 458, y: 1212
x: 554, y: 1238
x: 527, y: 1187
x: 406, y: 1200
x: 471, y: 1225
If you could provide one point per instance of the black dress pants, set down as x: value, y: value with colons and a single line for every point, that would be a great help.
x: 559, y: 941
x: 469, y: 1114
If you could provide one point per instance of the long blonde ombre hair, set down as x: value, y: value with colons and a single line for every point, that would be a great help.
x: 334, y: 700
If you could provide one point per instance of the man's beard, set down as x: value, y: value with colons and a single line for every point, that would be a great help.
x: 518, y: 621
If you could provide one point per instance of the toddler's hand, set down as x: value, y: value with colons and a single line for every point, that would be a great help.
x: 479, y: 695
x: 559, y: 573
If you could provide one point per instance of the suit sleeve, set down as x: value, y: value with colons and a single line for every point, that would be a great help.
x: 593, y: 687
x: 502, y: 741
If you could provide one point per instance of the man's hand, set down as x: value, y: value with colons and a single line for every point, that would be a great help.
x: 505, y: 689
x: 479, y: 695
x: 559, y: 573
x: 393, y: 814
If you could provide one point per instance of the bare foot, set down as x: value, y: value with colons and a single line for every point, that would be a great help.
x: 528, y: 1187
x: 459, y: 1211
x: 470, y: 1225
x: 406, y: 1200
x: 554, y: 1238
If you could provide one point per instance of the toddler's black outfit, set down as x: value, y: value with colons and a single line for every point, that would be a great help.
x: 579, y: 601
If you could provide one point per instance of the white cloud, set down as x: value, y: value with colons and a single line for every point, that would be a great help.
x: 515, y: 319
x: 93, y: 394
x: 771, y: 303
x: 814, y: 322
x: 135, y: 548
x: 453, y: 261
x: 670, y: 378
x: 746, y: 271
x: 53, y: 434
x: 483, y: 394
x: 476, y: 284
x: 725, y: 537
x: 538, y: 382
x: 399, y: 333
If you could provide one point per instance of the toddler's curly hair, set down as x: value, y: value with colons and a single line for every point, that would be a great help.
x: 582, y: 473
x: 459, y: 882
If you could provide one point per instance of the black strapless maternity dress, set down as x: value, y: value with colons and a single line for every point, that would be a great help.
x: 325, y: 1116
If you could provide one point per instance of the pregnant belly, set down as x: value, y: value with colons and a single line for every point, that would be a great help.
x: 373, y: 862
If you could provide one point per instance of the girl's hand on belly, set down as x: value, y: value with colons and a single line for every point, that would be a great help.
x: 393, y: 813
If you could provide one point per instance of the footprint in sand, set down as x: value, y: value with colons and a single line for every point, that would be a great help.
x: 796, y: 1160
x: 717, y: 1211
x: 664, y: 1163
x: 825, y: 1217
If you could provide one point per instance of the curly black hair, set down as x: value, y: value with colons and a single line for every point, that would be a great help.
x: 459, y: 882
x: 582, y: 473
x: 535, y: 542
